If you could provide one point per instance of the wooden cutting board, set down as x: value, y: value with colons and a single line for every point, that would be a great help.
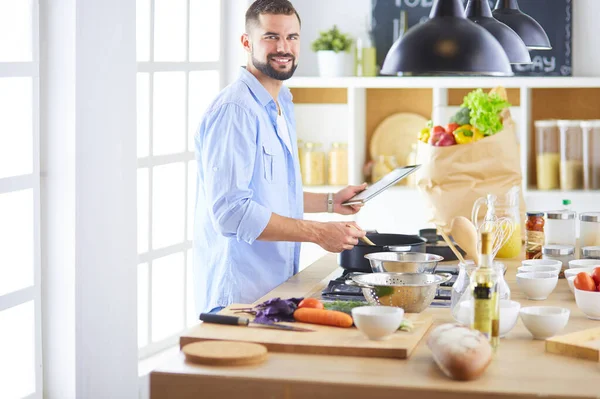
x: 324, y: 340
x: 581, y: 344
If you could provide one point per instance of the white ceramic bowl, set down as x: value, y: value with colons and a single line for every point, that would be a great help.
x: 571, y: 282
x: 377, y: 322
x: 541, y: 269
x: 544, y: 321
x: 509, y: 314
x: 543, y: 262
x: 537, y: 285
x: 584, y: 263
x: 589, y: 303
x: 573, y: 272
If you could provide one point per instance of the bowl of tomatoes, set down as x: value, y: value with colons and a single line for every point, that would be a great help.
x: 587, y: 293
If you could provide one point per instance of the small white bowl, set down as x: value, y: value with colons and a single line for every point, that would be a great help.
x: 509, y: 314
x: 537, y: 286
x: 589, y: 303
x: 584, y: 263
x: 544, y: 321
x: 377, y: 322
x: 541, y: 269
x: 577, y: 270
x: 571, y: 282
x: 543, y: 262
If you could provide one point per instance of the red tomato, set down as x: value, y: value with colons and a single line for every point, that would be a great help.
x: 452, y: 127
x: 584, y: 282
x: 310, y: 303
x: 437, y: 130
x: 596, y: 275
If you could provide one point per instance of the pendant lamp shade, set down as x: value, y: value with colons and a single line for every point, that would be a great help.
x: 530, y: 31
x: 479, y: 12
x: 447, y: 44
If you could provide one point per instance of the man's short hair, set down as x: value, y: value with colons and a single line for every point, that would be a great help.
x: 274, y: 7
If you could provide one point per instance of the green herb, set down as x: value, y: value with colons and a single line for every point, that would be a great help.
x: 343, y: 306
x: 406, y: 325
x: 332, y: 40
x: 485, y: 111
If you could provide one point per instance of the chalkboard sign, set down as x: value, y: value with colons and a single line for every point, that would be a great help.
x: 555, y: 17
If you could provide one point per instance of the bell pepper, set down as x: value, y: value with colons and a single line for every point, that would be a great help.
x: 424, y: 135
x: 477, y: 134
x: 464, y: 134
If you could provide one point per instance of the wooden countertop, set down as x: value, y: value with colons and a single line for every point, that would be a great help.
x: 521, y: 367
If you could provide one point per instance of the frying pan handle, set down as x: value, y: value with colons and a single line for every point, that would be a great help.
x: 445, y: 276
x: 355, y: 284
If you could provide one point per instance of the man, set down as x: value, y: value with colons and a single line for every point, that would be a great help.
x: 250, y: 204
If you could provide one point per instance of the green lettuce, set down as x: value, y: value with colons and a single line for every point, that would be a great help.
x: 485, y: 111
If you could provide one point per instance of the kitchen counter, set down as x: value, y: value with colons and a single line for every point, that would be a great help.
x: 521, y: 368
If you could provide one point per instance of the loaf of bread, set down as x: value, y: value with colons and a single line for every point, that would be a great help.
x: 462, y: 353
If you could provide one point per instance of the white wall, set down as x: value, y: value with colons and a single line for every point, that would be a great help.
x: 350, y: 16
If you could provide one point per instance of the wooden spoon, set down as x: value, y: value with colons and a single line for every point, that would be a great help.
x: 452, y: 247
x: 364, y: 239
x: 465, y: 235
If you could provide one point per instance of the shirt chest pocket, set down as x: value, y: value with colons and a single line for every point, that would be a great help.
x: 268, y: 159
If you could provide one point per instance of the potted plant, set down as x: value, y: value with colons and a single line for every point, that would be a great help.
x: 333, y: 53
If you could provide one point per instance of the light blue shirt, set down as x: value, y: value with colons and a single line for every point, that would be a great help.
x: 245, y: 173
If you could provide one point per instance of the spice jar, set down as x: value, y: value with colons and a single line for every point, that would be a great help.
x: 313, y: 165
x: 563, y: 253
x: 590, y: 253
x: 338, y: 164
x: 380, y: 169
x: 548, y: 154
x: 591, y: 154
x: 535, y: 235
x: 589, y: 229
x: 571, y: 155
x: 560, y: 228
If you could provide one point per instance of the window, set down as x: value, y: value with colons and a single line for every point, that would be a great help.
x: 20, y: 308
x: 179, y: 73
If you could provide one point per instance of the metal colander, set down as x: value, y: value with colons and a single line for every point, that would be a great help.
x: 412, y: 292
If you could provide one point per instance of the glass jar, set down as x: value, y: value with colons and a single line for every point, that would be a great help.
x: 563, y: 253
x: 591, y: 154
x: 313, y: 165
x: 589, y: 229
x: 547, y: 154
x: 380, y: 169
x: 590, y: 253
x: 535, y: 235
x: 337, y: 168
x: 301, y: 155
x: 560, y: 228
x: 571, y: 155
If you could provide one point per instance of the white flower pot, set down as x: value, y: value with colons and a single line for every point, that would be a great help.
x: 332, y: 64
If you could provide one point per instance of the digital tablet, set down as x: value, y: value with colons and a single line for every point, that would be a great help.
x: 381, y: 185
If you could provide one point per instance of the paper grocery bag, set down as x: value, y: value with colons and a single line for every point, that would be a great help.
x: 452, y: 178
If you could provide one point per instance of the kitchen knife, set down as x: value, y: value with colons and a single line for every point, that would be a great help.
x: 244, y: 321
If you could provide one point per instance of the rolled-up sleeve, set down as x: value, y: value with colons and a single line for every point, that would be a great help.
x: 226, y: 143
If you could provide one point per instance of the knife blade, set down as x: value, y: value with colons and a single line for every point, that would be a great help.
x: 244, y: 321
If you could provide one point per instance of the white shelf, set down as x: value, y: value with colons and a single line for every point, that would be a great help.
x: 392, y: 82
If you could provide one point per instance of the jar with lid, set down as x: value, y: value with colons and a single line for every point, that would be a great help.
x: 590, y: 253
x: 313, y: 165
x: 560, y: 228
x: 547, y: 154
x: 301, y: 155
x: 535, y: 235
x: 380, y: 168
x: 571, y: 155
x: 337, y: 168
x: 563, y: 253
x: 591, y: 154
x: 589, y: 229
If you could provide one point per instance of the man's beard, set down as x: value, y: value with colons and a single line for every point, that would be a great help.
x: 267, y: 69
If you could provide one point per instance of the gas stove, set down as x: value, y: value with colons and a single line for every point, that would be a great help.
x: 338, y: 290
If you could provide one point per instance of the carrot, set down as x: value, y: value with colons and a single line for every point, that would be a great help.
x: 325, y: 317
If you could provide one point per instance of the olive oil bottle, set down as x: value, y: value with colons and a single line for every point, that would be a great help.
x: 484, y: 282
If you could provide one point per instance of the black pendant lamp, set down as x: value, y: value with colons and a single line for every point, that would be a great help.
x: 447, y: 44
x: 530, y: 31
x: 479, y: 11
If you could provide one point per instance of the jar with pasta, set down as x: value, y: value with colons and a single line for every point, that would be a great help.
x: 547, y: 154
x: 301, y: 154
x: 571, y: 155
x: 591, y: 154
x: 313, y: 165
x: 338, y: 164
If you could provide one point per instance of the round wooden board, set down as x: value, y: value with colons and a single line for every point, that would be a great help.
x: 395, y: 134
x: 225, y: 353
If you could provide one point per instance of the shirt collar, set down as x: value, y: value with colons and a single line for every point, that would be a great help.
x: 259, y: 91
